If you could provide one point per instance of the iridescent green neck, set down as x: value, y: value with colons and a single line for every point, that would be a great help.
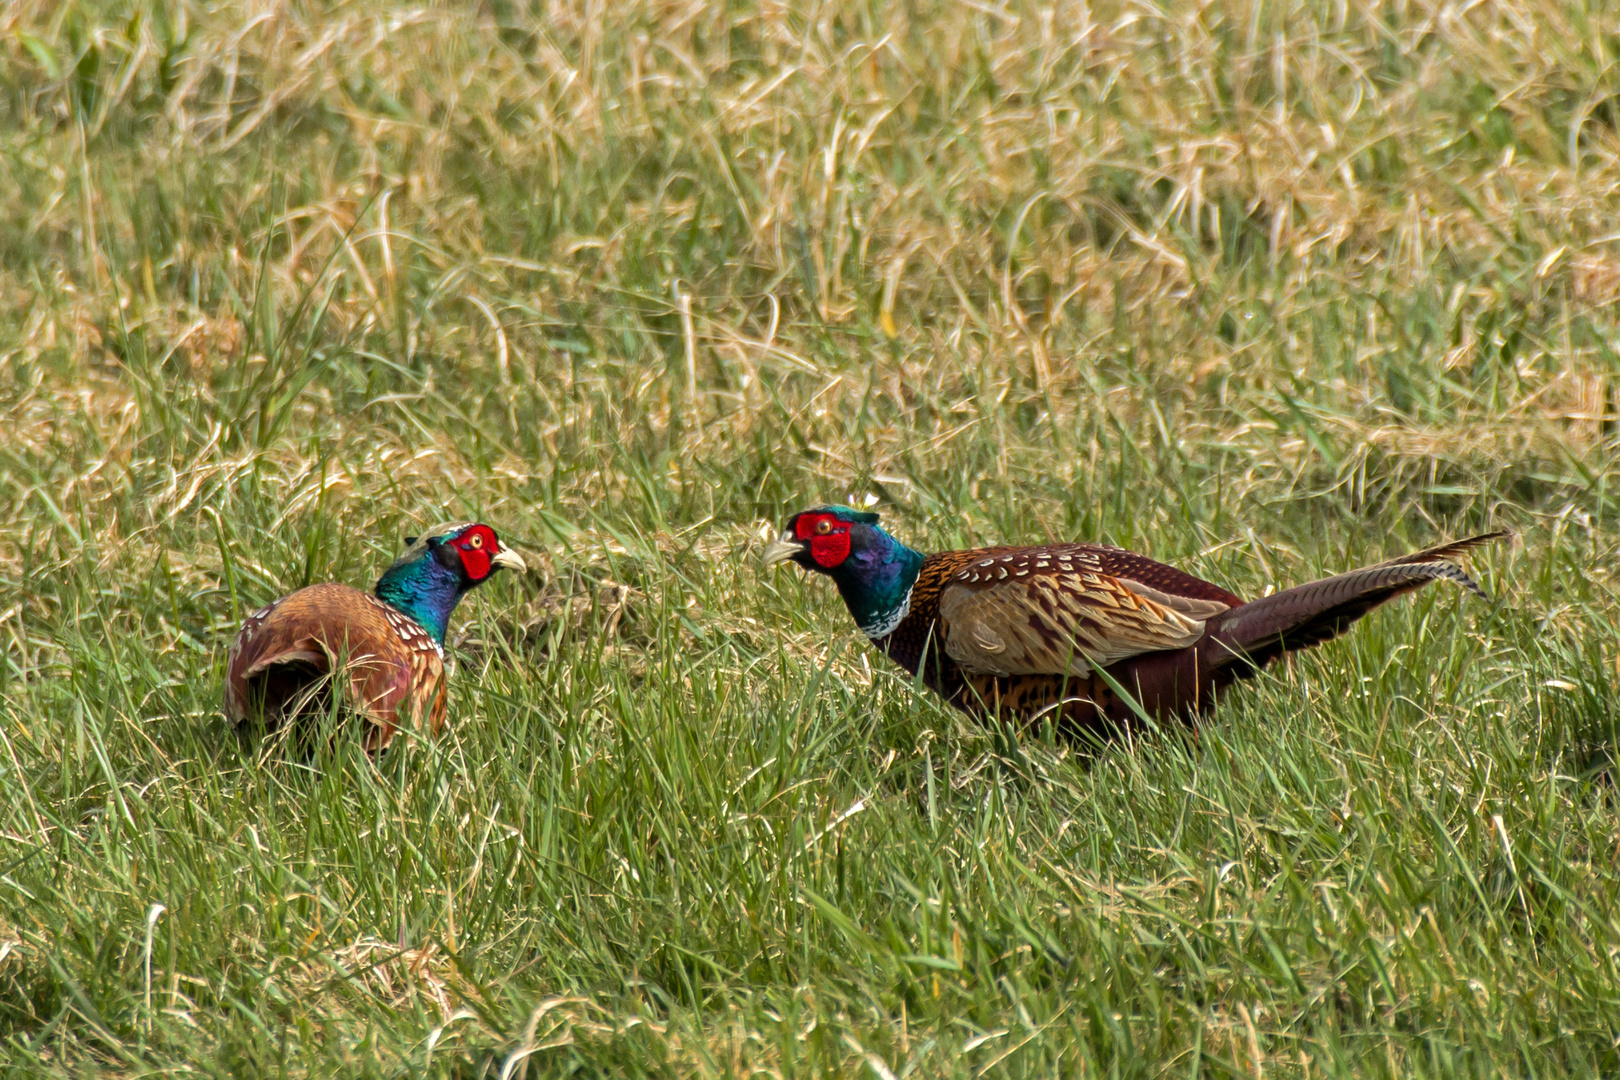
x: 425, y: 590
x: 876, y: 582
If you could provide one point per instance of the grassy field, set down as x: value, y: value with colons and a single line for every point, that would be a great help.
x: 1263, y: 289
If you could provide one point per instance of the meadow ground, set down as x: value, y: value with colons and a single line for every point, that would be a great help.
x: 1264, y: 289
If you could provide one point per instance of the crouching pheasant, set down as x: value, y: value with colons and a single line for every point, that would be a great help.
x: 389, y: 644
x: 1019, y: 632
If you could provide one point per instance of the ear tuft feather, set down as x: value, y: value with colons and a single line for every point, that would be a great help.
x: 847, y: 513
x: 418, y: 546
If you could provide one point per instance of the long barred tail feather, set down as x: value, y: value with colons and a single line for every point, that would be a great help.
x: 1443, y: 552
x: 1256, y: 633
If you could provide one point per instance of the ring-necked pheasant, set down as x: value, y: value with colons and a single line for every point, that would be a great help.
x: 391, y: 644
x: 1018, y: 631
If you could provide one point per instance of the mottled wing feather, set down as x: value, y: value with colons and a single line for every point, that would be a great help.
x: 1146, y: 572
x: 1058, y: 610
x: 437, y: 710
x: 1191, y: 607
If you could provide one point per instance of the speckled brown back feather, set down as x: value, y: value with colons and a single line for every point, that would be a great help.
x: 1067, y: 608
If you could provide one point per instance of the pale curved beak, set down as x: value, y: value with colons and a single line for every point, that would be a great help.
x: 782, y: 549
x: 510, y: 559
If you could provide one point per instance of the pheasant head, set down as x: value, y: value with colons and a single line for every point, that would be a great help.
x: 874, y: 572
x: 439, y: 567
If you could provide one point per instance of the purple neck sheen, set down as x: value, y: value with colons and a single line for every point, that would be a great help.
x: 876, y: 580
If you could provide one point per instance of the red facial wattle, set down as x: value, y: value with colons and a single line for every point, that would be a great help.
x: 476, y: 564
x: 828, y: 538
x: 477, y: 546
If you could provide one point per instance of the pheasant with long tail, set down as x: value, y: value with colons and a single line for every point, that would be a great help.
x: 1055, y: 632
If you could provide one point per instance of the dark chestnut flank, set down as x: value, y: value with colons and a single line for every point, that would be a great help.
x: 1020, y: 633
x: 387, y: 645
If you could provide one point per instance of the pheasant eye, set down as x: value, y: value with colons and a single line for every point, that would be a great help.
x: 823, y: 527
x: 476, y: 542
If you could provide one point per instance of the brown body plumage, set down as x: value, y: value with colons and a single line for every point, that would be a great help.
x: 1021, y: 633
